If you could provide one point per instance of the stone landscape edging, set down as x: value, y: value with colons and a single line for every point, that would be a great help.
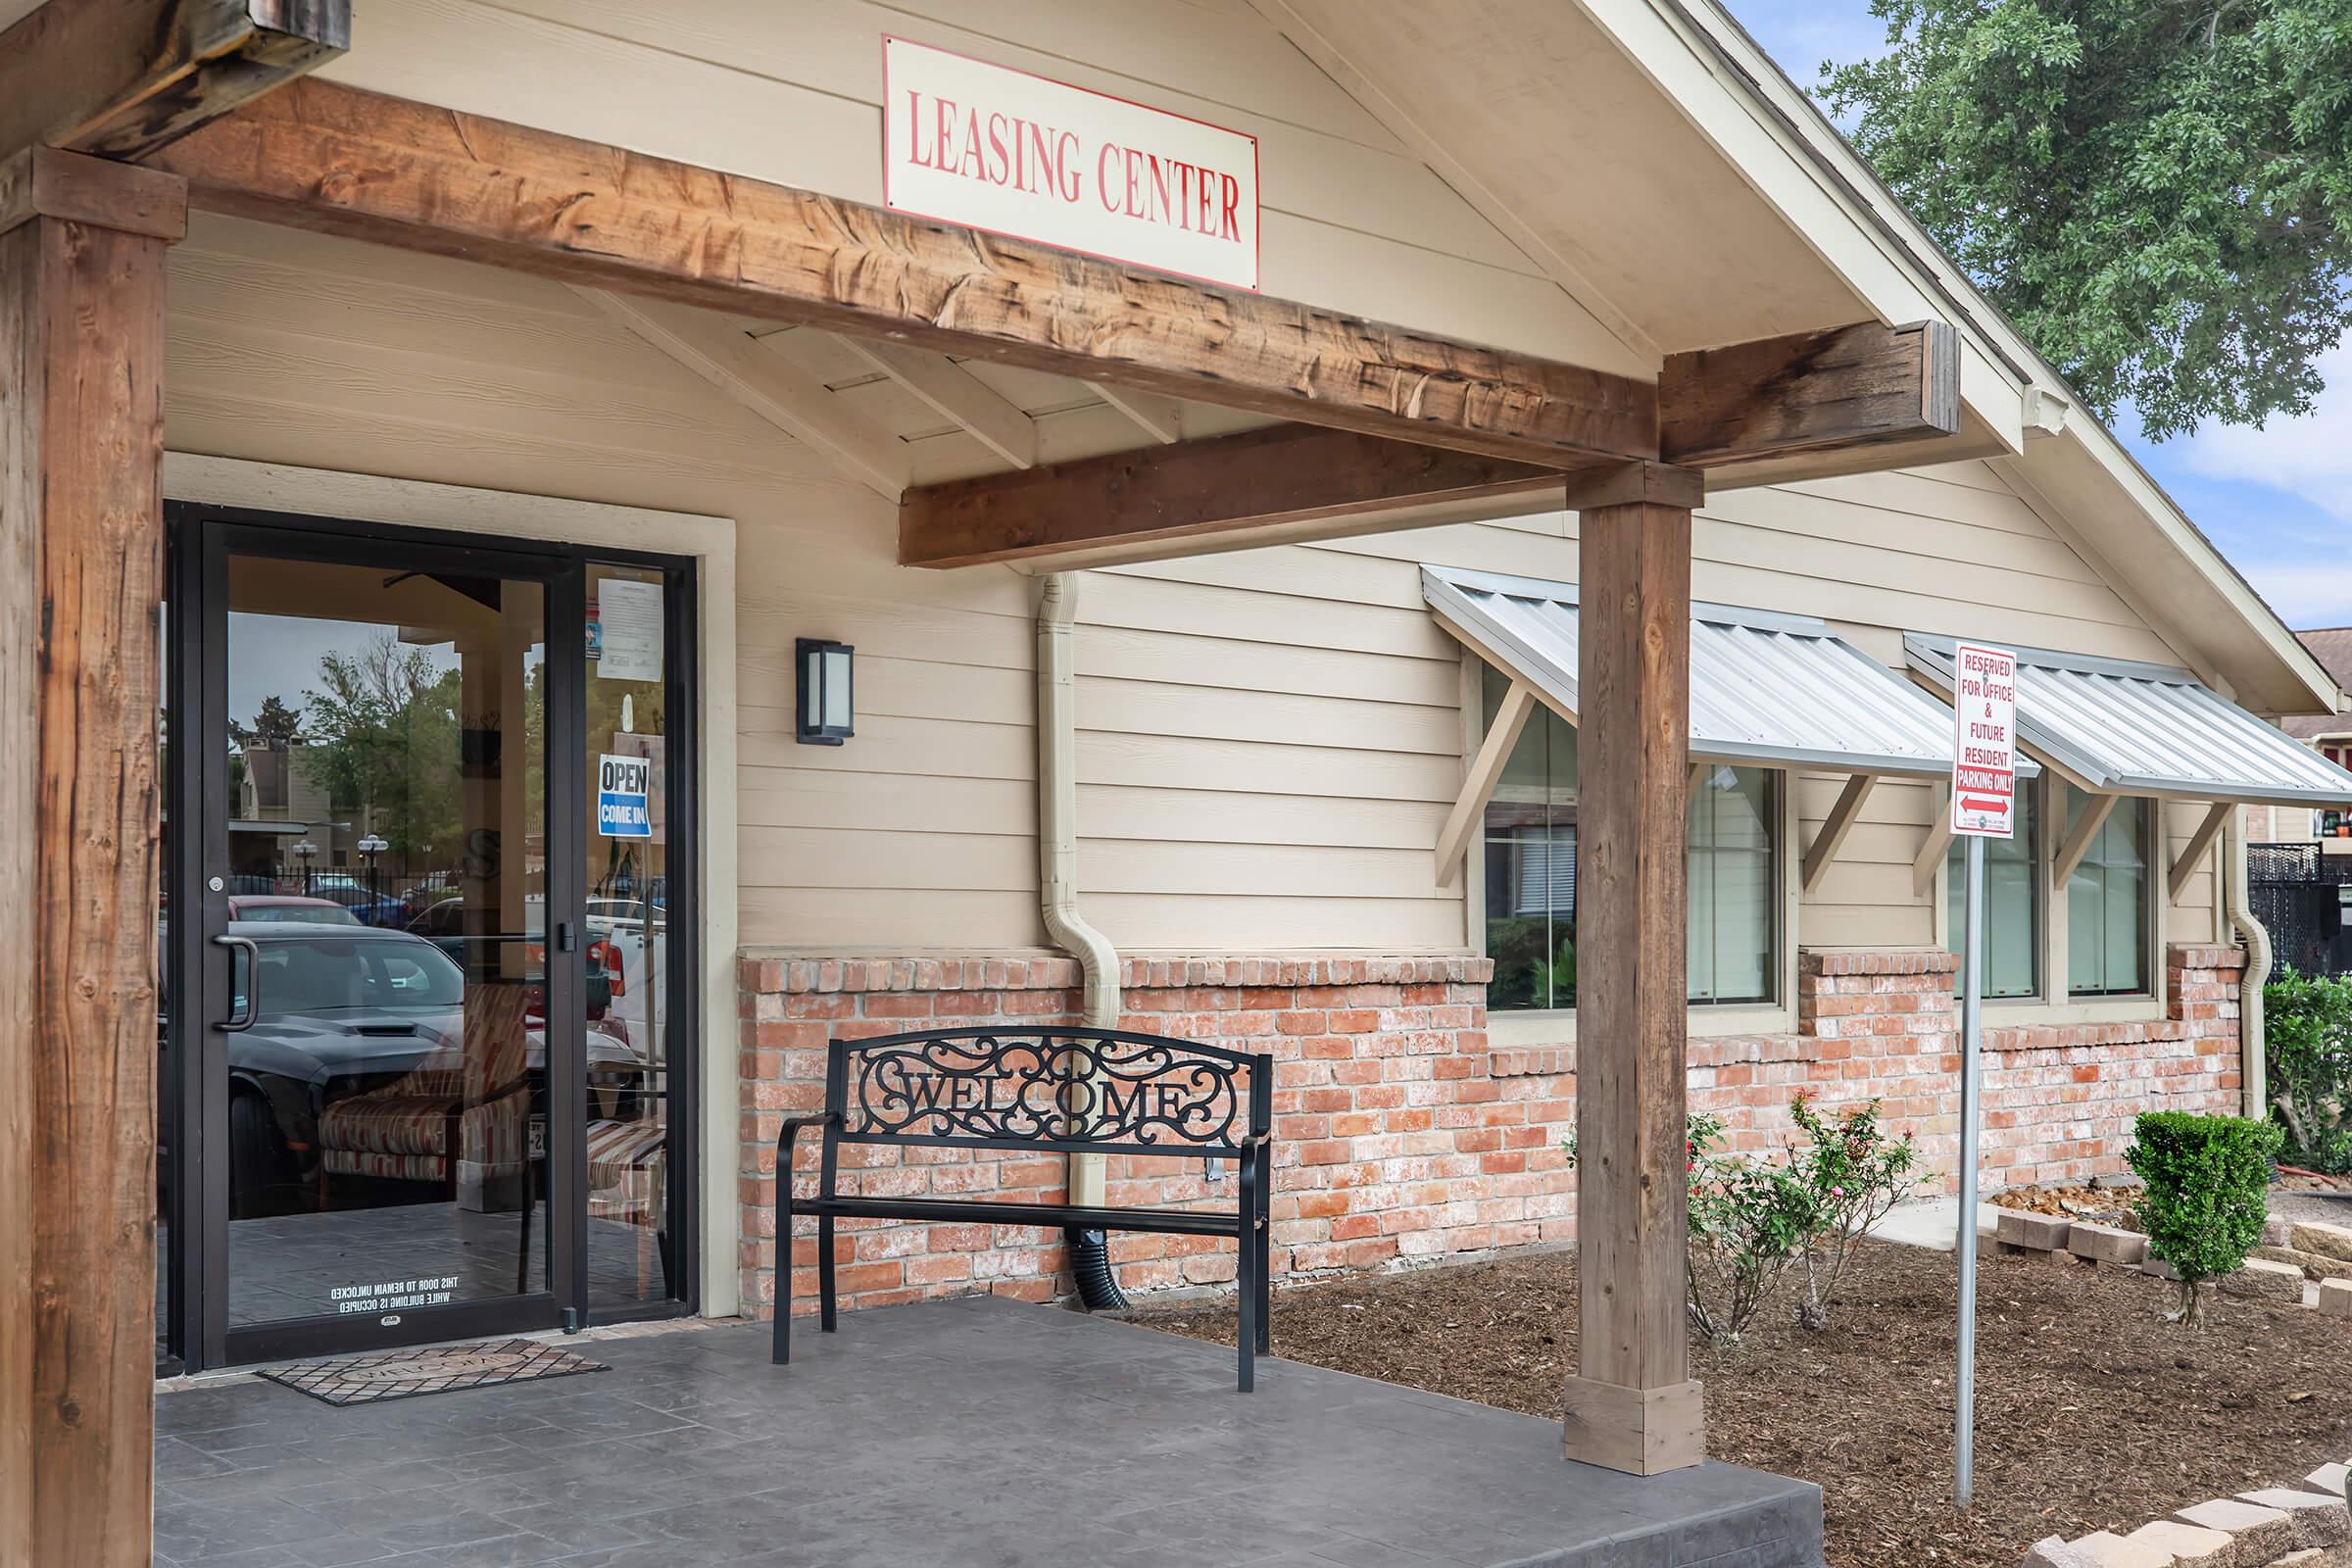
x: 2292, y: 1255
x: 2273, y: 1527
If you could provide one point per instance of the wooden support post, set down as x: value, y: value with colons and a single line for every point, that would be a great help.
x: 1632, y: 1405
x: 1485, y: 771
x: 2184, y: 866
x: 81, y: 566
x: 2077, y: 844
x: 1834, y: 827
x: 1931, y: 857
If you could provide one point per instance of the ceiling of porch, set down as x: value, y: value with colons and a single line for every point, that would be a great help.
x: 267, y: 318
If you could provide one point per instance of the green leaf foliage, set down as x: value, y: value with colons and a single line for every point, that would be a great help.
x: 2307, y: 1036
x: 2154, y: 190
x: 2208, y: 1186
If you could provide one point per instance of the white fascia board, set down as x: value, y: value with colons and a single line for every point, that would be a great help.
x: 1674, y: 43
x: 1731, y: 101
x: 2100, y: 488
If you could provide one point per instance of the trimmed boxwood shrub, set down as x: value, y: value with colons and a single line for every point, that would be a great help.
x: 2208, y: 1191
x: 2307, y: 1035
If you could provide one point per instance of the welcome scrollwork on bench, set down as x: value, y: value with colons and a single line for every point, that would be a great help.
x: 1040, y: 1089
x: 1079, y: 1088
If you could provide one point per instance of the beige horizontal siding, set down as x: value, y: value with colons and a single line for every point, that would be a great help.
x: 789, y: 91
x: 1267, y: 740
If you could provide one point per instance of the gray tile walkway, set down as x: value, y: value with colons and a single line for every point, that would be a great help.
x: 972, y: 1433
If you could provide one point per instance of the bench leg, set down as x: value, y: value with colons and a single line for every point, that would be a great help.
x: 780, y: 1354
x: 824, y: 1272
x: 1246, y: 1275
x: 1245, y: 1294
x: 1265, y: 1289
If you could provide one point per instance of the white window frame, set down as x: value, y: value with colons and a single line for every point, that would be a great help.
x: 2052, y: 1003
x: 1556, y: 1026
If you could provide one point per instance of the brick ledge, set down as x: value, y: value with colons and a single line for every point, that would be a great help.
x: 769, y: 971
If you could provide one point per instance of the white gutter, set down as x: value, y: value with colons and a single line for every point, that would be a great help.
x: 2253, y: 1061
x: 1057, y: 835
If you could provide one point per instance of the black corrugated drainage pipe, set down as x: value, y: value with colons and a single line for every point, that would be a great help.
x: 1090, y: 1258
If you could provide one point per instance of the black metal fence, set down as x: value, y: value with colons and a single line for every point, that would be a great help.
x: 2304, y: 898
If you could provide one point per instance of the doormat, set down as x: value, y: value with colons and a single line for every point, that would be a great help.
x: 433, y: 1369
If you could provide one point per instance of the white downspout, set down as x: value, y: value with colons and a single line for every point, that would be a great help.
x: 1057, y: 835
x: 2253, y: 1060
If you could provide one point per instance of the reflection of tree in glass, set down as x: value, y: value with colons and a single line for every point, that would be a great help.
x: 273, y: 729
x: 382, y: 737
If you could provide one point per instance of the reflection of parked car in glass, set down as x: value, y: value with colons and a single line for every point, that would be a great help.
x: 638, y: 964
x: 443, y: 924
x: 284, y: 908
x: 371, y: 909
x: 345, y: 1012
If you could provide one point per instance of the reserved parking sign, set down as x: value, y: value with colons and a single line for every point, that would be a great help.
x: 622, y: 785
x: 1985, y: 741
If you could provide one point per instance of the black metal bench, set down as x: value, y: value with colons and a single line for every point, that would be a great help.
x: 1041, y: 1090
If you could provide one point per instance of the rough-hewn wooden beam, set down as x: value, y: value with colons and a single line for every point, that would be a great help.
x: 44, y: 182
x: 125, y: 76
x: 81, y: 558
x: 341, y: 161
x: 1851, y: 386
x: 1226, y: 485
x: 1632, y: 1405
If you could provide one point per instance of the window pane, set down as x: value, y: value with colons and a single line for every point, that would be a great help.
x: 2107, y: 903
x: 1730, y: 878
x: 1529, y: 844
x: 2012, y: 906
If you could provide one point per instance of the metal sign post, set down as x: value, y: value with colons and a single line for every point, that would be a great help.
x: 1972, y: 1085
x: 1983, y: 805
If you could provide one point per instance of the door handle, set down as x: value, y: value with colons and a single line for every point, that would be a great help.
x: 253, y: 984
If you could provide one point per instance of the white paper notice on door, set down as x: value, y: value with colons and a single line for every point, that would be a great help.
x: 631, y: 614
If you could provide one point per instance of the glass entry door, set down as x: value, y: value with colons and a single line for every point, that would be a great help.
x: 393, y: 987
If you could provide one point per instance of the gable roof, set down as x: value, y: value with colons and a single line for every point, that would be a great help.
x: 1695, y: 146
x: 2332, y: 646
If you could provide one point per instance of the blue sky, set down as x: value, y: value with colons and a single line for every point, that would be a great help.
x: 2277, y: 501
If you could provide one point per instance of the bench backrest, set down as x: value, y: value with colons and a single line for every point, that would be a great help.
x: 1049, y: 1088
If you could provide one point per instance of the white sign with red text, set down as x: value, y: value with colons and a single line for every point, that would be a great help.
x: 988, y: 147
x: 1985, y: 741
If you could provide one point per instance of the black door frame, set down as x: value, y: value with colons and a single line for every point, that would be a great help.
x: 193, y: 1083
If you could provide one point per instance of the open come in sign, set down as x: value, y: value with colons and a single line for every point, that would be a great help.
x: 623, y: 785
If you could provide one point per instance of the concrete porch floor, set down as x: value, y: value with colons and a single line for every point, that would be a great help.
x: 975, y: 1432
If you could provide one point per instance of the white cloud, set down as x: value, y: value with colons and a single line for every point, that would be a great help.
x: 2308, y: 454
x: 2302, y: 592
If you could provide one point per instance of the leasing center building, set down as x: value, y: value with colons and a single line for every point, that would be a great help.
x: 694, y: 532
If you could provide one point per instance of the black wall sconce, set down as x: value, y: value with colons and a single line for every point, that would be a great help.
x: 828, y: 710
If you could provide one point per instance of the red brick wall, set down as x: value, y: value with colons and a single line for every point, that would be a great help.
x: 1399, y: 1134
x: 2059, y: 1099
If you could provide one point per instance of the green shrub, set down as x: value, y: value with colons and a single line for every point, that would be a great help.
x: 1856, y: 1172
x: 2208, y: 1188
x: 2307, y: 1038
x: 1749, y: 1220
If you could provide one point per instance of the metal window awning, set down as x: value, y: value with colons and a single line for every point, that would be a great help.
x: 1782, y: 691
x: 1766, y: 690
x: 2114, y: 727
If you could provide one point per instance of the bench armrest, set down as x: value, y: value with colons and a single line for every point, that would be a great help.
x: 792, y: 1129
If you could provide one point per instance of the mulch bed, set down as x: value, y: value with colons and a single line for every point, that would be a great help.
x: 2092, y: 1412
